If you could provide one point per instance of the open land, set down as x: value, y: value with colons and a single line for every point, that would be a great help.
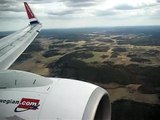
x: 124, y: 61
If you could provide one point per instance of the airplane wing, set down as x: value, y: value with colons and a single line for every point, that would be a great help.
x: 13, y: 45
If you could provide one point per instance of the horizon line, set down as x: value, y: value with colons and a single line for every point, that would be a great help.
x: 92, y: 27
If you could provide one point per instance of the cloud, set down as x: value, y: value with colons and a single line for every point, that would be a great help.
x: 40, y: 1
x: 73, y: 8
x: 125, y: 7
x: 80, y: 3
x: 7, y: 1
x: 155, y: 13
x: 11, y: 8
x: 61, y: 13
x: 104, y: 13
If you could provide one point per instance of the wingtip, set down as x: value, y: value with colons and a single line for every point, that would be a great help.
x: 31, y: 16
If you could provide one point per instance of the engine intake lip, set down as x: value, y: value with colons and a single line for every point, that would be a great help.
x: 98, y: 106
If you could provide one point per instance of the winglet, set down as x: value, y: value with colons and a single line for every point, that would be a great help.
x: 32, y: 18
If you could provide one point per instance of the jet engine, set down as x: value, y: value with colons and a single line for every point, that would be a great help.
x: 28, y: 96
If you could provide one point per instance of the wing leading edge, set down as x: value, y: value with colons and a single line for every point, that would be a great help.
x: 12, y: 46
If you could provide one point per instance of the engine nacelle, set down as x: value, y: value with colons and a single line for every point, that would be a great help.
x: 28, y: 96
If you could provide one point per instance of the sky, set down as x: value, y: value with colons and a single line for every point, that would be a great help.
x: 80, y: 13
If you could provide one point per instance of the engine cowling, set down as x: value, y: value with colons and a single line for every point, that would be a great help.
x: 25, y: 95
